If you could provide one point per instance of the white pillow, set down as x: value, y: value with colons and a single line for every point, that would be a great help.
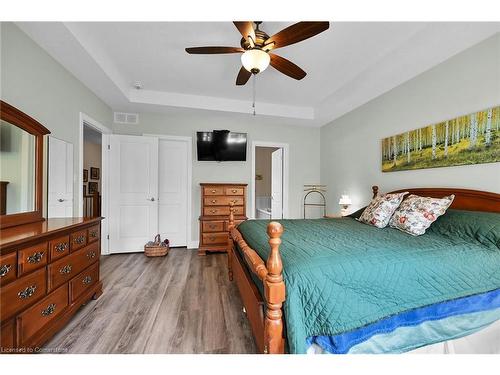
x: 381, y: 208
x: 416, y: 213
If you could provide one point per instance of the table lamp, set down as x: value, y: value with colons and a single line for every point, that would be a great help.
x: 345, y: 202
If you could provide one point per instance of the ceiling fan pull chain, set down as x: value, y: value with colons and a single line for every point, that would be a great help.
x: 254, y: 84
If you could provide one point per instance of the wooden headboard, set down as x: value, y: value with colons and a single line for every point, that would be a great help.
x: 465, y: 199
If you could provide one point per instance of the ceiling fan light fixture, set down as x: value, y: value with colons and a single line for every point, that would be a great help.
x: 255, y: 60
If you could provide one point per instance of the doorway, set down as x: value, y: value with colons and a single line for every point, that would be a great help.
x: 92, y: 167
x: 92, y: 189
x: 269, y: 181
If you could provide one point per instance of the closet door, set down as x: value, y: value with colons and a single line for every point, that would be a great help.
x: 60, y: 178
x: 173, y: 190
x: 133, y: 201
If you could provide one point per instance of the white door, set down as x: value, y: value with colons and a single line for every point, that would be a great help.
x: 133, y: 187
x: 277, y: 184
x: 173, y: 189
x: 60, y: 176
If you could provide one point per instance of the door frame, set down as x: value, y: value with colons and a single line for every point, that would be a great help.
x: 190, y: 244
x: 96, y: 125
x: 286, y: 153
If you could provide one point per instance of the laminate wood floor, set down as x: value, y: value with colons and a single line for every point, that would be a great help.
x: 181, y: 303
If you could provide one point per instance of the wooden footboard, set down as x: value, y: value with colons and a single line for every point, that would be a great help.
x: 265, y: 314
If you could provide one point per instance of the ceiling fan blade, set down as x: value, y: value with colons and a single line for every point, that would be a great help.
x: 286, y: 67
x: 213, y: 50
x: 245, y: 28
x: 295, y: 33
x: 243, y: 77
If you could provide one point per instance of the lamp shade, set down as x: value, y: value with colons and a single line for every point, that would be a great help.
x: 255, y: 60
x: 345, y: 200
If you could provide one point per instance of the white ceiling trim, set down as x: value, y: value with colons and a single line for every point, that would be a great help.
x: 219, y: 104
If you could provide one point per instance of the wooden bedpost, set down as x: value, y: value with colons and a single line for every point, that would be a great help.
x: 274, y: 291
x: 230, y: 243
x: 375, y: 190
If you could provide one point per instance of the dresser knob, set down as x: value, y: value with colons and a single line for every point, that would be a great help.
x: 79, y: 240
x: 49, y: 310
x: 214, y: 200
x: 91, y: 254
x: 234, y: 190
x: 66, y: 269
x: 213, y: 191
x: 28, y: 292
x: 87, y: 280
x: 214, y: 211
x: 4, y: 270
x: 61, y: 247
x: 36, y: 257
x: 93, y: 234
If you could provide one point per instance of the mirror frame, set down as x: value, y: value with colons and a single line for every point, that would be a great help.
x: 20, y: 119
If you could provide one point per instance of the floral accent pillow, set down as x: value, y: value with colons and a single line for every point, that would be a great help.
x: 381, y: 208
x: 416, y: 213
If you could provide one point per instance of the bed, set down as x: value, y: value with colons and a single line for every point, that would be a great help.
x: 340, y: 286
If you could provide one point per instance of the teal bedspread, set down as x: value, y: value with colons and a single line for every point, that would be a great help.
x: 341, y: 275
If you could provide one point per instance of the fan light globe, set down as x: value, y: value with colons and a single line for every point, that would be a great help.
x: 255, y: 60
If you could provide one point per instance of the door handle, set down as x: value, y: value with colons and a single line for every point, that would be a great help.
x: 61, y: 200
x: 151, y: 199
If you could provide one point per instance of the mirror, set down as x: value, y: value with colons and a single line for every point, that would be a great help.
x: 21, y: 167
x: 17, y: 169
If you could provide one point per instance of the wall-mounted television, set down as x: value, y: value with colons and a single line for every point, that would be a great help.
x: 221, y: 145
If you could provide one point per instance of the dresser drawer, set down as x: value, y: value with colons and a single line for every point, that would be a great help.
x: 78, y: 239
x: 65, y: 269
x: 222, y: 211
x: 84, y: 281
x: 59, y: 248
x: 223, y: 201
x: 7, y: 335
x: 215, y: 238
x: 212, y: 226
x: 93, y: 233
x: 22, y: 293
x: 235, y: 191
x: 35, y: 318
x: 32, y: 258
x: 236, y: 223
x: 8, y: 268
x: 208, y: 190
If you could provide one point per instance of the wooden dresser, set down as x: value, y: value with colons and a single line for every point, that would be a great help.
x: 48, y: 269
x: 215, y: 199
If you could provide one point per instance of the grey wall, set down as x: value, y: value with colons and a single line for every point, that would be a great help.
x: 35, y: 83
x: 303, y: 147
x: 351, y: 145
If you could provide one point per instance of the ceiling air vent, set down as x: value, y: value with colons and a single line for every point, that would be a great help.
x: 126, y: 118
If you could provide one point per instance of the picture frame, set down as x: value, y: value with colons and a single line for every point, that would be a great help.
x: 94, y: 173
x: 464, y: 140
x: 85, y: 175
x: 93, y: 188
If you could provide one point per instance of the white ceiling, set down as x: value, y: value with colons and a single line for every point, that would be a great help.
x: 348, y: 65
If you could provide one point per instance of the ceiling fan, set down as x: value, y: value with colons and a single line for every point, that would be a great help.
x: 256, y: 47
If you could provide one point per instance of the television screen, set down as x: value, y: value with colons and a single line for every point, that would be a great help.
x: 221, y: 145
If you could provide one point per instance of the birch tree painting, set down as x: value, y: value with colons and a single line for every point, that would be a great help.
x: 470, y: 139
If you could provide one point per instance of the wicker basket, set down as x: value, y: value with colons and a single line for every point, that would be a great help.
x: 156, y: 248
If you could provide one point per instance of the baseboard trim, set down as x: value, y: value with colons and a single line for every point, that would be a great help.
x: 193, y: 244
